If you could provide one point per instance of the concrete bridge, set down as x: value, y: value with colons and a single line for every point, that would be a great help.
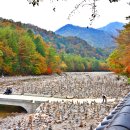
x: 30, y: 103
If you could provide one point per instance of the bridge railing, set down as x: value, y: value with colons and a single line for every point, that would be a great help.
x: 119, y: 118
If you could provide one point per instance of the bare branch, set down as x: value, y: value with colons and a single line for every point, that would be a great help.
x: 83, y: 3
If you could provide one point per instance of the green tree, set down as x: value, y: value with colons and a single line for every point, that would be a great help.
x: 95, y: 65
x: 40, y: 45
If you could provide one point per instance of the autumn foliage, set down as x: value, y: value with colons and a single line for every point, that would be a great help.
x: 23, y: 53
x: 119, y: 60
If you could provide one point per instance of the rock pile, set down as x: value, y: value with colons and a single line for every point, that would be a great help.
x: 69, y: 85
x: 60, y: 116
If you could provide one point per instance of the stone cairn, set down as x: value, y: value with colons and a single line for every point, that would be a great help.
x: 68, y: 85
x: 60, y: 116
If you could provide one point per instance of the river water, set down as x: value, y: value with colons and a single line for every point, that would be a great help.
x: 6, y: 110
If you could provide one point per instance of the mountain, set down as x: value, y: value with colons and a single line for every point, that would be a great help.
x: 96, y: 38
x: 113, y: 28
x: 70, y: 44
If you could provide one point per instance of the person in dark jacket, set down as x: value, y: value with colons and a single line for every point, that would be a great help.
x: 104, y: 99
x: 8, y: 91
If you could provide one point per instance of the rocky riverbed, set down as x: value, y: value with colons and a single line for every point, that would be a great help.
x: 64, y: 115
x: 68, y: 85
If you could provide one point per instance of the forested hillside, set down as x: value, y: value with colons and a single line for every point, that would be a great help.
x: 23, y: 51
x: 71, y: 45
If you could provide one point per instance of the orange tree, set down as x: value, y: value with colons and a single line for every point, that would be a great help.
x: 119, y: 60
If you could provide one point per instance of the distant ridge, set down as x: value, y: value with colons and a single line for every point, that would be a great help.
x: 101, y: 38
x: 113, y: 28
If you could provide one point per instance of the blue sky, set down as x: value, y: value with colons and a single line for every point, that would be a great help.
x: 44, y: 16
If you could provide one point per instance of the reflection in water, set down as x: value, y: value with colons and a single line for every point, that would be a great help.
x: 7, y: 110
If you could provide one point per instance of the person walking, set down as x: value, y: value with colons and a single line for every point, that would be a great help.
x: 104, y: 99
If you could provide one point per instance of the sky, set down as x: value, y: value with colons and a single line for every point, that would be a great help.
x: 45, y: 17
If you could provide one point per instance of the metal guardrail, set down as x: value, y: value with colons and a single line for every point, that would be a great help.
x: 119, y: 118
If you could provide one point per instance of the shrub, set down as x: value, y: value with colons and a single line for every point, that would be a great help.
x: 128, y: 81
